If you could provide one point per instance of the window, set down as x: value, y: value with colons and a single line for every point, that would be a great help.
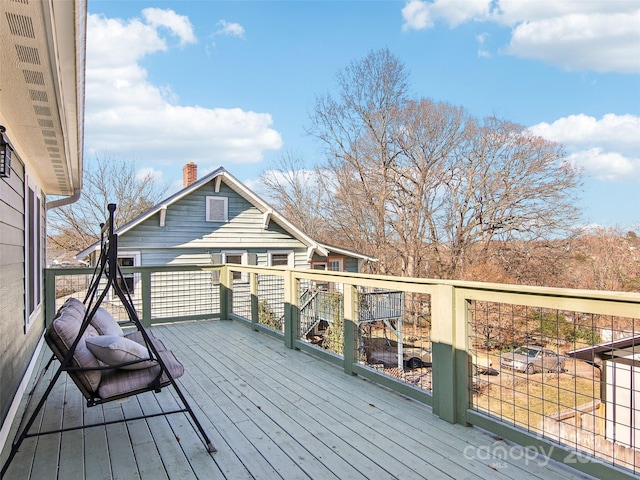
x: 217, y: 209
x: 34, y: 252
x: 239, y: 258
x: 281, y: 259
x: 335, y: 264
x: 129, y: 281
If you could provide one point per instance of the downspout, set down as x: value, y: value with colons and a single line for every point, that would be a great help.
x: 64, y: 201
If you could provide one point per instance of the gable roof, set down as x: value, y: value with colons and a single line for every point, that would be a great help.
x: 220, y: 175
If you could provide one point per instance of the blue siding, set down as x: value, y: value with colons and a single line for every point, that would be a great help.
x: 187, y: 238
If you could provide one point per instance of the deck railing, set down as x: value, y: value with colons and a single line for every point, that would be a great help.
x: 439, y: 342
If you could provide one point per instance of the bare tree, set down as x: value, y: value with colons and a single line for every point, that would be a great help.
x: 415, y: 181
x: 505, y: 185
x: 298, y: 194
x: 355, y: 129
x: 106, y: 180
x: 606, y: 259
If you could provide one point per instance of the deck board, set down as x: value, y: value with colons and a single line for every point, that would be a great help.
x: 272, y: 412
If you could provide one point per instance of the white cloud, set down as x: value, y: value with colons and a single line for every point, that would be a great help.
x: 156, y: 175
x: 178, y: 25
x: 482, y: 40
x: 128, y: 115
x: 607, y: 166
x: 572, y: 34
x: 599, y: 42
x: 621, y: 132
x: 231, y: 29
x: 607, y: 148
x: 420, y: 14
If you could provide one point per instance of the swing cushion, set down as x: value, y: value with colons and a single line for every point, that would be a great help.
x: 118, y: 383
x: 114, y: 350
x: 137, y: 337
x: 63, y: 332
x: 105, y: 384
x: 72, y: 304
x: 105, y: 324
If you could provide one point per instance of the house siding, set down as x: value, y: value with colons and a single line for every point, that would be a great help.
x: 187, y: 238
x: 17, y: 347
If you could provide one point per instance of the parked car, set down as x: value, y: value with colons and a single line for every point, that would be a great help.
x: 532, y: 359
x: 413, y: 357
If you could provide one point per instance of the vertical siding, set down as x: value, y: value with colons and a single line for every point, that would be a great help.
x: 16, y: 347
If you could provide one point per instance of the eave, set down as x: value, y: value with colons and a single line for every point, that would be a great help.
x: 42, y: 68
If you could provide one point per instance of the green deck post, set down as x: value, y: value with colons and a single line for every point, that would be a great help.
x: 450, y: 358
x: 350, y: 326
x: 146, y: 297
x: 226, y: 292
x: 253, y: 287
x: 291, y: 316
x: 49, y: 295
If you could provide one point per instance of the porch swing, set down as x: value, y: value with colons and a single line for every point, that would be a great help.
x: 104, y: 362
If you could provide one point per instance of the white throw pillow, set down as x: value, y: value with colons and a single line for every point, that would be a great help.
x: 114, y: 350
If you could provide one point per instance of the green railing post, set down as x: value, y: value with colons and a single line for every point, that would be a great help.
x: 253, y: 286
x: 350, y: 325
x: 450, y: 359
x: 463, y: 378
x: 145, y: 277
x: 226, y: 292
x: 49, y: 295
x: 290, y: 309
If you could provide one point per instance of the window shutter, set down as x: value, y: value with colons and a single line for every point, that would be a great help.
x: 216, y: 258
x: 252, y: 259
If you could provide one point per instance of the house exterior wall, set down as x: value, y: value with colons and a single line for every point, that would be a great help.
x: 181, y: 235
x: 622, y: 422
x: 187, y: 238
x: 17, y: 341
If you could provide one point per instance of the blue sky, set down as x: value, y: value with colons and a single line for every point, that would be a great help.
x: 232, y: 83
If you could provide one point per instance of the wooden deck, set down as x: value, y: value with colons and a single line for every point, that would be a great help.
x: 272, y: 413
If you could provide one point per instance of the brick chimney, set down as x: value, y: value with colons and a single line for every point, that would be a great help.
x: 189, y: 174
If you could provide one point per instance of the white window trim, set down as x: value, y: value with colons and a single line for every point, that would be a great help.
x: 30, y: 317
x: 289, y: 253
x: 136, y: 276
x: 244, y: 260
x: 225, y: 200
x: 340, y: 260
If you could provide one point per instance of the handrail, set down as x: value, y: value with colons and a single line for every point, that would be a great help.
x: 450, y: 317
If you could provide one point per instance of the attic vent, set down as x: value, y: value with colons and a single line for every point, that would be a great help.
x: 45, y: 123
x: 20, y: 25
x: 38, y: 96
x: 46, y: 111
x: 28, y: 54
x: 217, y: 209
x: 35, y: 78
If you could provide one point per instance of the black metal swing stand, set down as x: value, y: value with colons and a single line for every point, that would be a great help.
x: 108, y: 275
